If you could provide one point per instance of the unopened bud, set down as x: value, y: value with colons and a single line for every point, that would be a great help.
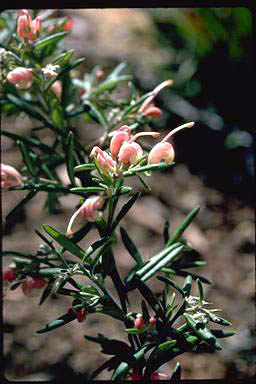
x: 139, y: 321
x: 10, y: 177
x: 32, y: 287
x: 119, y: 138
x: 9, y: 275
x: 57, y: 88
x: 159, y: 376
x: 68, y: 25
x: 21, y: 77
x: 152, y: 321
x: 136, y: 375
x: 81, y: 315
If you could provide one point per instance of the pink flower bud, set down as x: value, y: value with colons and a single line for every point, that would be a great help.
x: 24, y: 25
x: 135, y: 375
x: 99, y: 74
x: 57, y: 87
x: 161, y: 152
x: 32, y: 287
x: 164, y: 151
x: 9, y: 275
x: 153, y: 111
x: 105, y: 162
x: 118, y: 139
x: 36, y: 26
x: 139, y: 321
x: 21, y: 77
x: 10, y: 177
x: 148, y: 101
x: 159, y: 376
x: 130, y: 153
x: 89, y: 210
x: 81, y: 315
x: 152, y: 321
x: 68, y: 25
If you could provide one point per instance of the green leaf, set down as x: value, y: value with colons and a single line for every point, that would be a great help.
x: 51, y: 272
x: 21, y: 204
x: 187, y: 285
x: 219, y: 320
x: 84, y: 167
x: 96, y: 113
x: 63, y: 58
x: 46, y: 292
x: 64, y: 241
x: 87, y: 189
x: 200, y: 289
x: 165, y: 257
x: 166, y: 231
x: 176, y: 374
x: 131, y: 247
x: 123, y: 368
x: 110, y: 312
x: 125, y: 208
x: 188, y: 219
x: 146, y: 168
x: 165, y: 346
x: 70, y: 157
x: 60, y: 322
x: 145, y: 312
x: 116, y: 71
x: 56, y: 112
x: 150, y: 298
x: 27, y: 158
x: 109, y: 85
x: 219, y: 333
x: 203, y: 332
x: 134, y: 331
x: 53, y: 39
x: 97, y: 244
x: 26, y: 107
x: 172, y: 283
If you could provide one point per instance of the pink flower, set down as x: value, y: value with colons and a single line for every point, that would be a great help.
x: 99, y: 74
x: 161, y: 152
x: 32, y: 287
x: 21, y: 77
x: 131, y: 152
x: 164, y: 151
x: 89, y: 210
x: 148, y: 102
x: 152, y: 321
x: 68, y: 25
x: 24, y: 25
x: 10, y: 177
x: 9, y: 275
x: 120, y: 136
x: 28, y: 29
x: 104, y: 160
x: 153, y: 111
x: 36, y: 26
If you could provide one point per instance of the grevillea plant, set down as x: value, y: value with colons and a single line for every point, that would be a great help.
x: 38, y: 79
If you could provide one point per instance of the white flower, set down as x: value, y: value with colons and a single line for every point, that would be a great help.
x: 50, y: 70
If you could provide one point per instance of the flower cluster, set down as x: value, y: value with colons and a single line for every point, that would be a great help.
x: 27, y: 29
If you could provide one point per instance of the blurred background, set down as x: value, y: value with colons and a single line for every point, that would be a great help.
x: 208, y: 54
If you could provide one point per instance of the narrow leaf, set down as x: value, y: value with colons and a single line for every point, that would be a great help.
x: 147, y: 168
x: 27, y: 158
x: 200, y: 289
x: 84, y: 167
x: 131, y: 247
x: 70, y: 157
x: 96, y: 112
x: 64, y: 241
x: 187, y: 285
x: 172, y: 283
x: 63, y: 320
x: 163, y: 262
x: 125, y: 208
x: 53, y: 39
x: 188, y: 219
x: 203, y: 332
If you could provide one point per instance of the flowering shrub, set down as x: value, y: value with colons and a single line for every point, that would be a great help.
x: 37, y: 79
